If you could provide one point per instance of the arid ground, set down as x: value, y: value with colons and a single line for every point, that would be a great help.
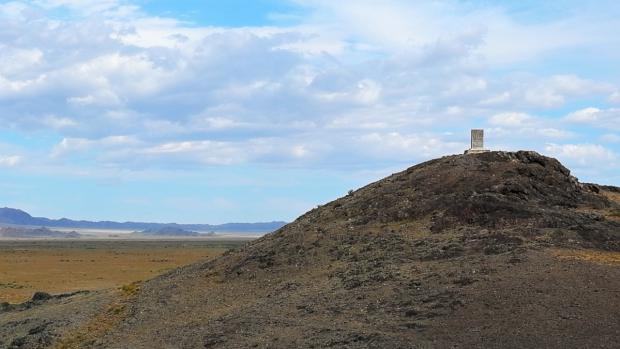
x: 57, y: 266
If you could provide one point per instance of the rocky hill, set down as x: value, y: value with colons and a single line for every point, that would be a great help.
x: 494, y: 250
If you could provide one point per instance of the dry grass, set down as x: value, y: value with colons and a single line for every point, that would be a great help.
x: 612, y: 214
x: 592, y: 256
x: 615, y: 197
x: 103, y: 322
x: 131, y: 289
x: 26, y: 269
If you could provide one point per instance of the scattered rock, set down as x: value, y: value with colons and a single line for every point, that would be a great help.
x: 41, y: 296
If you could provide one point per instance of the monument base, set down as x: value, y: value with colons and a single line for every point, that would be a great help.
x: 476, y: 151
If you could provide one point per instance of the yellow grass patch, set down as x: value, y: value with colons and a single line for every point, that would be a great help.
x: 612, y: 214
x: 592, y: 256
x: 25, y: 270
x: 615, y: 197
x: 103, y: 322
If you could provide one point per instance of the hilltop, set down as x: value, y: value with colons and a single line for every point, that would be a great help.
x: 497, y: 249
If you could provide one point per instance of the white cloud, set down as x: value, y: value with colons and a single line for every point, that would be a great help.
x: 218, y: 123
x: 395, y: 145
x: 555, y: 90
x: 56, y: 122
x: 503, y: 39
x: 300, y: 151
x: 206, y: 152
x: 584, y: 115
x: 574, y: 86
x: 348, y: 83
x: 15, y: 61
x: 69, y: 146
x: 610, y: 138
x: 553, y: 133
x: 581, y: 154
x: 9, y: 160
x: 184, y: 147
x: 118, y: 151
x: 108, y: 8
x: 544, y: 97
x: 521, y: 126
x: 510, y: 119
x: 595, y: 117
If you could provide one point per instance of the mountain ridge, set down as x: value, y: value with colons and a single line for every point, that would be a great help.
x: 20, y: 217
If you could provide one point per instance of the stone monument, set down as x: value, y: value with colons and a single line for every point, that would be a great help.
x: 477, y: 142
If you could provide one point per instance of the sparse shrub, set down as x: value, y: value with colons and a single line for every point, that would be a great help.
x: 130, y: 289
x: 350, y: 192
x: 117, y: 309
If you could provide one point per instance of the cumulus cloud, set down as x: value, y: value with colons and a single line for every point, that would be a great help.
x: 544, y: 92
x: 610, y: 138
x: 112, y: 8
x: 403, y: 147
x: 9, y: 160
x: 592, y: 161
x: 584, y: 115
x: 130, y: 152
x: 582, y: 154
x: 595, y: 117
x: 115, y: 151
x: 510, y: 119
x: 517, y: 126
x: 502, y: 38
x: 346, y: 83
x: 207, y: 152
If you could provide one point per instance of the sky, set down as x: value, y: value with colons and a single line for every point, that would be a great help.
x: 242, y: 111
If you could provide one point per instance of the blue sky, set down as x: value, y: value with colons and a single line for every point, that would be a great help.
x: 219, y: 111
x: 231, y: 13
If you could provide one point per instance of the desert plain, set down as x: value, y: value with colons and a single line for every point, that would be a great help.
x: 64, y: 266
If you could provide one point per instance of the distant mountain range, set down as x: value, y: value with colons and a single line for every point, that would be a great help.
x: 18, y: 217
x: 20, y: 232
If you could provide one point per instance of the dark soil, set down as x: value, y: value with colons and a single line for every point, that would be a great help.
x: 457, y: 252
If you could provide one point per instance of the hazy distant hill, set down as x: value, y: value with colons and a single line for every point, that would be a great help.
x: 169, y: 231
x: 18, y: 232
x: 19, y: 217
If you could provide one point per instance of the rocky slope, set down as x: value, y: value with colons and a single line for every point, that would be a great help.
x: 499, y: 249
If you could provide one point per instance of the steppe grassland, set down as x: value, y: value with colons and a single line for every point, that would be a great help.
x: 56, y: 266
